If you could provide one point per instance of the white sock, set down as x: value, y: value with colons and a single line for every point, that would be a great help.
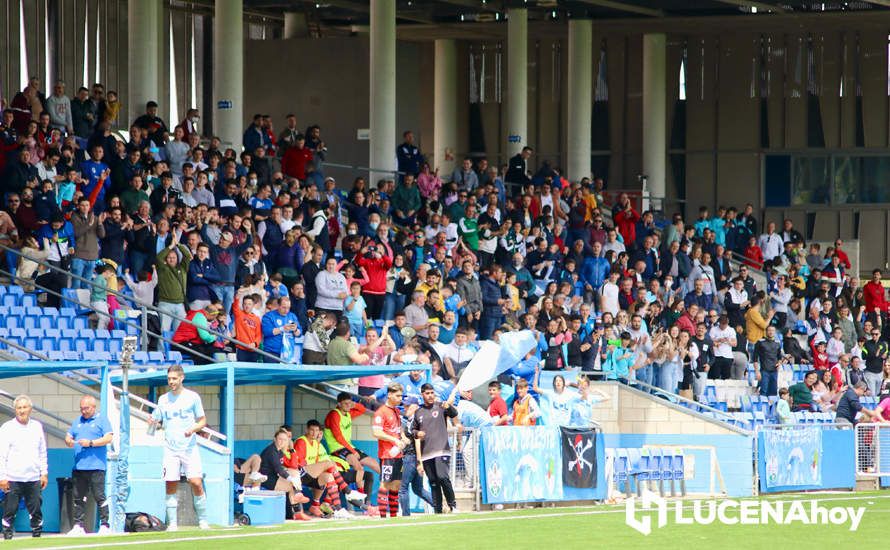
x: 172, y: 506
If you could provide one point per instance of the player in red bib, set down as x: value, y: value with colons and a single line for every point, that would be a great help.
x: 390, y: 442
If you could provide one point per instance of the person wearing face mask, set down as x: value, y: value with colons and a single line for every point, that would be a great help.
x: 189, y: 124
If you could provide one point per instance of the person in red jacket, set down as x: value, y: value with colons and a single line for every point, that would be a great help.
x: 845, y: 260
x: 875, y: 295
x: 295, y: 159
x: 626, y: 222
x: 753, y: 254
x: 376, y: 259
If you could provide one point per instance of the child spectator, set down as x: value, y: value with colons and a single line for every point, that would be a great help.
x: 354, y: 307
x: 783, y: 407
x: 99, y: 295
x: 525, y: 408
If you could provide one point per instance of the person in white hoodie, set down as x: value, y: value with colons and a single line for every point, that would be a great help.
x: 23, y: 467
x: 59, y: 107
x: 331, y: 289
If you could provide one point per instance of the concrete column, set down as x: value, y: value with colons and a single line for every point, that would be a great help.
x: 445, y: 104
x: 580, y: 111
x: 143, y: 33
x: 383, y: 88
x: 294, y: 24
x: 228, y: 72
x: 655, y: 116
x: 517, y: 79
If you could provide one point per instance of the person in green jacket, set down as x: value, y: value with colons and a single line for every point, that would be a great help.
x: 173, y: 267
x: 406, y: 201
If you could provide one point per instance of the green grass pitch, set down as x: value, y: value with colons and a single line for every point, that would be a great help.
x: 539, y: 528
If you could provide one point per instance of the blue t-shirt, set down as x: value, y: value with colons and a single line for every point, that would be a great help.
x: 179, y: 413
x: 90, y: 458
x: 260, y: 204
x: 354, y: 315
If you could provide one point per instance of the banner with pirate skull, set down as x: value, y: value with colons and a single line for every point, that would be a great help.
x: 579, y: 457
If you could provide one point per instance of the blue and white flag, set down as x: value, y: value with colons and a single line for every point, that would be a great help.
x: 492, y: 359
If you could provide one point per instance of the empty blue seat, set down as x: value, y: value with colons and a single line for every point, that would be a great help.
x: 102, y: 334
x: 82, y: 344
x: 118, y: 334
x: 30, y: 322
x: 67, y: 312
x: 52, y: 332
x: 15, y: 290
x: 55, y: 355
x: 49, y: 311
x: 46, y: 322
x: 4, y: 310
x: 29, y: 300
x: 71, y: 355
x: 100, y: 345
x: 103, y: 356
x: 65, y: 344
x: 88, y: 333
x: 140, y: 357
x: 70, y: 333
x: 156, y: 357
x: 31, y: 342
x: 114, y: 346
x: 17, y: 333
x: 63, y: 322
x: 47, y: 344
x: 9, y: 300
x: 80, y: 323
x: 34, y: 332
x: 174, y: 356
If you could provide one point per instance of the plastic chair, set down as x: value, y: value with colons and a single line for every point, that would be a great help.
x: 9, y: 300
x: 29, y: 300
x: 81, y: 323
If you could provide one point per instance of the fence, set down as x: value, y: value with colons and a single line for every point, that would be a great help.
x: 465, y: 463
x: 872, y: 450
x: 806, y: 457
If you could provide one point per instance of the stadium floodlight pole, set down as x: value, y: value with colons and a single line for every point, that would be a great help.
x: 122, y: 486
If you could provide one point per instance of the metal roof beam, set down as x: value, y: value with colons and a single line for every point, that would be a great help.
x: 621, y: 6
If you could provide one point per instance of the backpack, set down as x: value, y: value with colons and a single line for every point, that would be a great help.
x: 140, y: 522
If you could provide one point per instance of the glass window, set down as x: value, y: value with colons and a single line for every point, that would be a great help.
x: 810, y: 181
x: 875, y: 179
x: 847, y: 184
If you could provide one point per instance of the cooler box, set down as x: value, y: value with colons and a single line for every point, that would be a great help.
x: 265, y: 507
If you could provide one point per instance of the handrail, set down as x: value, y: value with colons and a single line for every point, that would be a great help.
x: 52, y: 430
x: 41, y: 410
x: 130, y: 299
x: 139, y: 400
x: 123, y: 321
x: 742, y: 259
x: 678, y: 397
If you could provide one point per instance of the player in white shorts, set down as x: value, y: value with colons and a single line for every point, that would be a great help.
x: 181, y: 414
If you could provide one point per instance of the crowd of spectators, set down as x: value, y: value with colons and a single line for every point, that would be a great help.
x: 261, y: 246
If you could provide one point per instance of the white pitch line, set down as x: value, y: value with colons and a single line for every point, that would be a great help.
x: 369, y: 525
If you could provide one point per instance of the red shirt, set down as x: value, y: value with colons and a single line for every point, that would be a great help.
x: 874, y: 296
x: 387, y: 419
x: 294, y: 162
x: 497, y: 408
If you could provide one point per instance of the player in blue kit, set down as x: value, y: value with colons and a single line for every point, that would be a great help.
x: 181, y: 415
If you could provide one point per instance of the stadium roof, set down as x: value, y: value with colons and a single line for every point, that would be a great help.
x: 263, y: 374
x: 334, y: 13
x: 14, y: 369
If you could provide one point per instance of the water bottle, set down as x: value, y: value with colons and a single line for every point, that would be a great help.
x: 153, y: 428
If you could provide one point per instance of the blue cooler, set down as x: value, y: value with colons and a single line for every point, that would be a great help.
x: 264, y: 507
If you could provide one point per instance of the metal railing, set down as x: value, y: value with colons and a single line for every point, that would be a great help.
x: 140, y: 403
x: 694, y: 406
x: 872, y: 449
x: 465, y: 460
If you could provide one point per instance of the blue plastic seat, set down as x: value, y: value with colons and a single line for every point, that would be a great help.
x: 174, y: 356
x: 52, y: 332
x: 29, y: 300
x: 140, y: 357
x: 118, y: 334
x: 9, y: 300
x: 67, y: 312
x: 71, y: 355
x: 80, y: 323
x: 31, y: 342
x: 34, y: 332
x: 102, y: 334
x: 30, y: 322
x: 100, y: 345
x: 55, y: 355
x: 15, y: 290
x: 82, y: 345
x: 114, y: 346
x: 48, y: 322
x: 620, y: 469
x: 65, y: 344
x: 88, y: 333
x: 156, y: 357
x: 103, y: 356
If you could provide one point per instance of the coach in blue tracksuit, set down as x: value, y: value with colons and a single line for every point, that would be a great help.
x: 89, y: 435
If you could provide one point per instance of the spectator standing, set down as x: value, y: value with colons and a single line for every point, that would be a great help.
x: 90, y: 436
x: 59, y: 108
x: 767, y: 357
x: 517, y: 168
x: 331, y: 289
x: 152, y: 124
x: 724, y: 338
x: 343, y: 352
x: 172, y: 272
x: 23, y: 467
x: 88, y: 229
x: 248, y: 328
x: 280, y: 326
x: 408, y: 155
x: 81, y: 114
x: 874, y: 352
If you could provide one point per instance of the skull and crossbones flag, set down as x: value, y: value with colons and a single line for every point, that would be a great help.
x: 579, y: 457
